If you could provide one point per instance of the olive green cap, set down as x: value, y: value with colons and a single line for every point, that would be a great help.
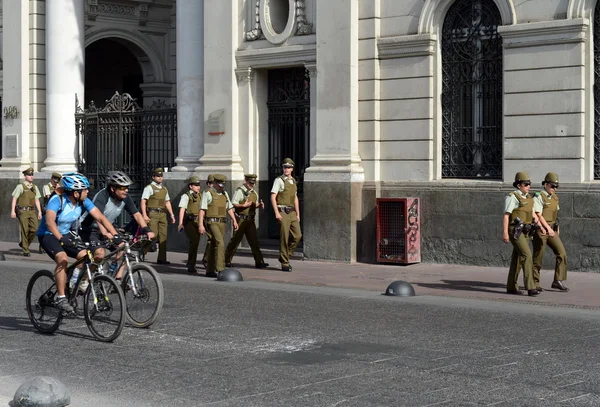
x: 220, y: 178
x: 194, y: 180
x: 522, y: 176
x: 211, y: 178
x: 28, y: 170
x: 250, y: 176
x: 551, y: 177
x: 56, y: 176
x: 287, y: 162
x: 158, y: 171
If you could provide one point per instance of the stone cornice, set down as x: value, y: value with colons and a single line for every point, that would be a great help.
x: 276, y: 56
x: 406, y: 46
x: 544, y: 33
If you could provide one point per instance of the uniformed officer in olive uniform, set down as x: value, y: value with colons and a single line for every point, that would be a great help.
x: 284, y: 199
x: 209, y: 185
x: 25, y: 202
x: 214, y: 207
x: 546, y: 206
x: 154, y: 205
x: 189, y: 207
x: 519, y: 204
x: 49, y: 188
x: 245, y: 201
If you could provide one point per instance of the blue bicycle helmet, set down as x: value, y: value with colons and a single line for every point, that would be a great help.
x: 74, y: 181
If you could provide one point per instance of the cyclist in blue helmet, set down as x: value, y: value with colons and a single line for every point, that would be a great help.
x: 62, y: 212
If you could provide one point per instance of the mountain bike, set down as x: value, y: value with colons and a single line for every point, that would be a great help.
x: 103, y: 299
x: 140, y: 282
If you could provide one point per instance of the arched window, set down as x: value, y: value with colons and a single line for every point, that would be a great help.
x: 472, y: 91
x: 597, y: 91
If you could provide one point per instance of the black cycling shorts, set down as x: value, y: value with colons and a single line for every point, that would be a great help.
x: 52, y: 247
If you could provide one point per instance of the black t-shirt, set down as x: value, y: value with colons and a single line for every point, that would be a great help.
x: 111, y: 208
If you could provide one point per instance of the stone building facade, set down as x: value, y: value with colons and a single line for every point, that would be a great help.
x: 439, y: 99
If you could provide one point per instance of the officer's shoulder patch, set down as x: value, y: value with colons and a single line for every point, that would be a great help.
x: 538, y: 193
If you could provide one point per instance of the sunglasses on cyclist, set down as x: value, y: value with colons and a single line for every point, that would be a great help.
x: 122, y: 188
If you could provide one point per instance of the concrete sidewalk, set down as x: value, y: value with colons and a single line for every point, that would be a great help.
x: 484, y: 283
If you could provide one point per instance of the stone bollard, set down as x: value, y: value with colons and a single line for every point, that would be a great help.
x: 42, y: 391
x: 230, y: 275
x: 2, y: 257
x: 400, y: 289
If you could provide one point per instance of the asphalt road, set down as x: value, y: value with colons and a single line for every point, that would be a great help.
x: 266, y: 344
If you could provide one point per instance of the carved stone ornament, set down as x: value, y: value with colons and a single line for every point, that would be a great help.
x: 256, y: 32
x: 302, y: 26
x: 244, y: 75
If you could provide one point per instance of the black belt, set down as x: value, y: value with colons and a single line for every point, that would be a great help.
x: 156, y: 210
x: 287, y: 209
x: 245, y: 217
x: 25, y: 208
x: 191, y: 217
x: 220, y: 220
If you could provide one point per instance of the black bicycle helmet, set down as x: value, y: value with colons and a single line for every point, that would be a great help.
x: 118, y: 178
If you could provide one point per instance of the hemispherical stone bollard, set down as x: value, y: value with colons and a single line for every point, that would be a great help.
x: 42, y: 391
x: 2, y: 257
x: 400, y: 289
x: 230, y: 275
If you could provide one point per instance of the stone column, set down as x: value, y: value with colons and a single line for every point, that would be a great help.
x: 337, y: 92
x: 221, y: 133
x: 65, y: 58
x: 335, y: 173
x: 190, y: 83
x: 15, y: 44
x: 247, y: 125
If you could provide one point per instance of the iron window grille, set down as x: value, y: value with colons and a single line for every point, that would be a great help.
x: 472, y: 91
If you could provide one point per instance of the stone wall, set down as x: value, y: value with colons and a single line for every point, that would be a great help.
x: 463, y: 224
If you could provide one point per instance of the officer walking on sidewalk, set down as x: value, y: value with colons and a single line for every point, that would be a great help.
x: 209, y: 185
x: 189, y: 207
x: 214, y: 207
x: 245, y: 201
x: 49, y: 188
x: 154, y: 206
x: 25, y: 202
x: 545, y: 205
x: 518, y: 227
x: 284, y: 199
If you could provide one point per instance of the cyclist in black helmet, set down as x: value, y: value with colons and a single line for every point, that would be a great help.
x: 111, y: 201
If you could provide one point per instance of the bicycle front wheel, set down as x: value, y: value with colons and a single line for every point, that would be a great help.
x: 144, y: 295
x: 104, y: 308
x: 42, y: 311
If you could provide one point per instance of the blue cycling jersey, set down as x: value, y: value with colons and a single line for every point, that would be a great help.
x: 66, y: 217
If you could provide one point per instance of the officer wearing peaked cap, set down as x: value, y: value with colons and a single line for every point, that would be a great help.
x: 284, y: 200
x: 25, y: 202
x: 50, y: 187
x: 154, y: 206
x: 189, y: 208
x: 517, y: 228
x: 209, y: 184
x: 214, y: 208
x: 245, y: 202
x: 546, y: 206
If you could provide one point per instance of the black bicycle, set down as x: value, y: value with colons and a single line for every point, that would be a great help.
x: 103, y: 299
x: 141, y: 283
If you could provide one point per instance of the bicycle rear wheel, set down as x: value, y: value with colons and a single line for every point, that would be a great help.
x: 144, y: 294
x: 41, y: 291
x: 106, y: 317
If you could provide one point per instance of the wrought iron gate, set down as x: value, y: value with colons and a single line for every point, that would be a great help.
x: 472, y: 91
x: 289, y: 127
x: 122, y: 136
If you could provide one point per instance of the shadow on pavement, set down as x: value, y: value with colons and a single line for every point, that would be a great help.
x: 24, y: 325
x: 466, y: 285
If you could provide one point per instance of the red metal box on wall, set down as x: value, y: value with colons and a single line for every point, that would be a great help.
x: 398, y: 230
